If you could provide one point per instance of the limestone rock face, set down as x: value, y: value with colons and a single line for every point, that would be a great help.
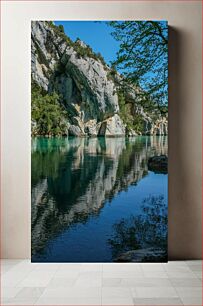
x: 92, y: 127
x: 113, y: 126
x: 74, y: 130
x: 160, y: 127
x: 82, y: 81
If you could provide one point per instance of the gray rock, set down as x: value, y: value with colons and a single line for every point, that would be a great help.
x: 158, y: 164
x: 113, y: 126
x: 74, y: 130
x: 92, y: 127
x: 144, y: 255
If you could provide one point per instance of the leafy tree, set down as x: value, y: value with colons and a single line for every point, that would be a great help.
x: 48, y: 116
x: 61, y: 28
x: 143, y: 56
x: 134, y: 122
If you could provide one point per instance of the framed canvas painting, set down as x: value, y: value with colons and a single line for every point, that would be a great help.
x: 99, y: 124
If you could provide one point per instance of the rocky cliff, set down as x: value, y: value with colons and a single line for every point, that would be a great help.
x: 86, y: 87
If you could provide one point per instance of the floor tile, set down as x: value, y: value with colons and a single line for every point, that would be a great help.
x: 115, y: 292
x: 6, y: 268
x: 117, y: 301
x: 91, y: 267
x: 178, y: 274
x: 193, y: 262
x: 153, y: 268
x: 67, y: 273
x: 173, y: 283
x: 12, y: 262
x: 176, y: 268
x: 176, y: 263
x: 90, y: 274
x: 157, y: 301
x: 9, y: 292
x: 61, y: 282
x: 46, y: 267
x: 189, y: 291
x: 70, y: 267
x: 69, y: 301
x: 192, y: 301
x: 37, y: 279
x: 15, y: 275
x: 22, y: 301
x: 30, y: 292
x: 198, y: 274
x: 155, y: 292
x: 185, y: 282
x: 196, y: 268
x: 155, y: 274
x: 112, y: 282
x: 122, y: 268
x: 122, y: 274
x: 146, y: 282
x: 73, y: 292
x: 97, y: 282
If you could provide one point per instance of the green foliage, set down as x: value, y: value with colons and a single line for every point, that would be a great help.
x: 143, y: 55
x: 111, y: 74
x: 86, y: 51
x: 134, y: 122
x: 48, y: 116
x: 61, y: 28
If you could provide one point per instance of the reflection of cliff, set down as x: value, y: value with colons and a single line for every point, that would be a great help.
x: 73, y: 178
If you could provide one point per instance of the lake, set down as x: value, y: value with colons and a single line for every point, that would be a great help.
x: 93, y: 199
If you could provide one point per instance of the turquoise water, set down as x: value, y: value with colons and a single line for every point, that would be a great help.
x: 86, y: 192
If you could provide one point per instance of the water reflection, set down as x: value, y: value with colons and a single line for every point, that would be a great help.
x: 146, y: 232
x: 73, y: 178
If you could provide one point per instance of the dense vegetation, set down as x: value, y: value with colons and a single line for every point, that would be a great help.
x: 49, y: 118
x: 133, y: 122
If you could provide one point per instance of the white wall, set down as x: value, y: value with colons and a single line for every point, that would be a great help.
x: 184, y: 110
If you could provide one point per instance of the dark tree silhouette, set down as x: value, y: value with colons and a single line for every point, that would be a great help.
x: 147, y: 230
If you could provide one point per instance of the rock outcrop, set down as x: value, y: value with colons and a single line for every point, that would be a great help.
x: 112, y: 126
x: 144, y: 255
x: 158, y: 164
x: 82, y: 81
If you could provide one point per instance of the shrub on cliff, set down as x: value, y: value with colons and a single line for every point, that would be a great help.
x: 49, y: 118
x: 134, y: 122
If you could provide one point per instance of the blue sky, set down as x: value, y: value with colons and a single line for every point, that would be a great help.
x: 95, y: 34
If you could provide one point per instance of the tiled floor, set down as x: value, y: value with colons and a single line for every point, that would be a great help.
x: 175, y: 283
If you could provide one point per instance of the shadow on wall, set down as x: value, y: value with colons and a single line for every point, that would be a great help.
x: 184, y: 229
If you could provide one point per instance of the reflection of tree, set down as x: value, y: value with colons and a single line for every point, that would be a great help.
x: 147, y: 230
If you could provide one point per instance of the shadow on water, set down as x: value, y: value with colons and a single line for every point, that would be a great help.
x: 73, y: 179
